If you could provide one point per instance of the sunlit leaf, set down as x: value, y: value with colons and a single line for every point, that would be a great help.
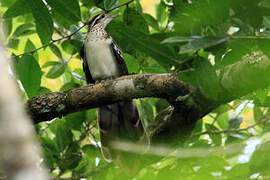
x: 162, y: 13
x: 49, y: 63
x: 223, y: 120
x: 24, y: 29
x: 56, y: 51
x: 56, y: 71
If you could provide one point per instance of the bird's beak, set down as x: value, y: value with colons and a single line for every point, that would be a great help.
x: 115, y: 16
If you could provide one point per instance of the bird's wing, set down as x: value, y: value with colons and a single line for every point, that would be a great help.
x: 88, y: 76
x: 120, y: 60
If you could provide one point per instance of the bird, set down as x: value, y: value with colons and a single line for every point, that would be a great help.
x: 102, y: 59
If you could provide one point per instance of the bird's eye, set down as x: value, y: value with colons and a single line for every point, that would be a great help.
x: 103, y: 15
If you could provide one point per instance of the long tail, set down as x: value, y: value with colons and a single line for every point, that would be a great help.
x: 120, y: 122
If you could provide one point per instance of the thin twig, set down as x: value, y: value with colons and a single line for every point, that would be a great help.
x: 232, y: 130
x: 68, y: 36
x: 89, y: 131
x: 51, y: 42
x: 116, y: 7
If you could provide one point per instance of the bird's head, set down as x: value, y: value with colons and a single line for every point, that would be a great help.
x: 102, y: 19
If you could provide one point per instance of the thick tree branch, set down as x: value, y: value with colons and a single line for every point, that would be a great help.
x: 57, y: 104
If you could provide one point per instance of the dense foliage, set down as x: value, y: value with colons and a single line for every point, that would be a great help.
x: 196, y: 40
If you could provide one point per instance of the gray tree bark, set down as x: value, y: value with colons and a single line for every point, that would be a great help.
x: 19, y: 152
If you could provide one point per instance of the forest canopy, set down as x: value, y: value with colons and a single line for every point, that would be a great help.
x: 201, y: 71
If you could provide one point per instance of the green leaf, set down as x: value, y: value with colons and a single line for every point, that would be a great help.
x: 29, y: 73
x: 70, y: 162
x: 49, y: 151
x: 189, y: 19
x: 216, y: 138
x: 90, y: 150
x: 266, y: 21
x: 13, y: 43
x: 138, y: 6
x: 44, y: 23
x: 261, y: 94
x: 63, y: 137
x: 66, y: 9
x: 146, y: 110
x: 133, y: 19
x: 108, y: 4
x: 257, y: 113
x: 264, y: 46
x: 43, y: 90
x: 99, y: 3
x: 56, y: 71
x: 202, y: 44
x: 162, y: 13
x: 17, y: 9
x: 71, y: 46
x: 56, y: 51
x: 142, y: 42
x: 179, y: 39
x: 68, y: 86
x: 198, y: 127
x: 24, y: 29
x: 208, y: 80
x: 239, y: 171
x: 49, y: 63
x: 238, y: 48
x: 29, y: 46
x: 223, y: 120
x: 75, y: 120
x: 7, y: 3
x: 88, y: 3
x: 151, y: 21
x: 132, y: 64
x: 222, y: 109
